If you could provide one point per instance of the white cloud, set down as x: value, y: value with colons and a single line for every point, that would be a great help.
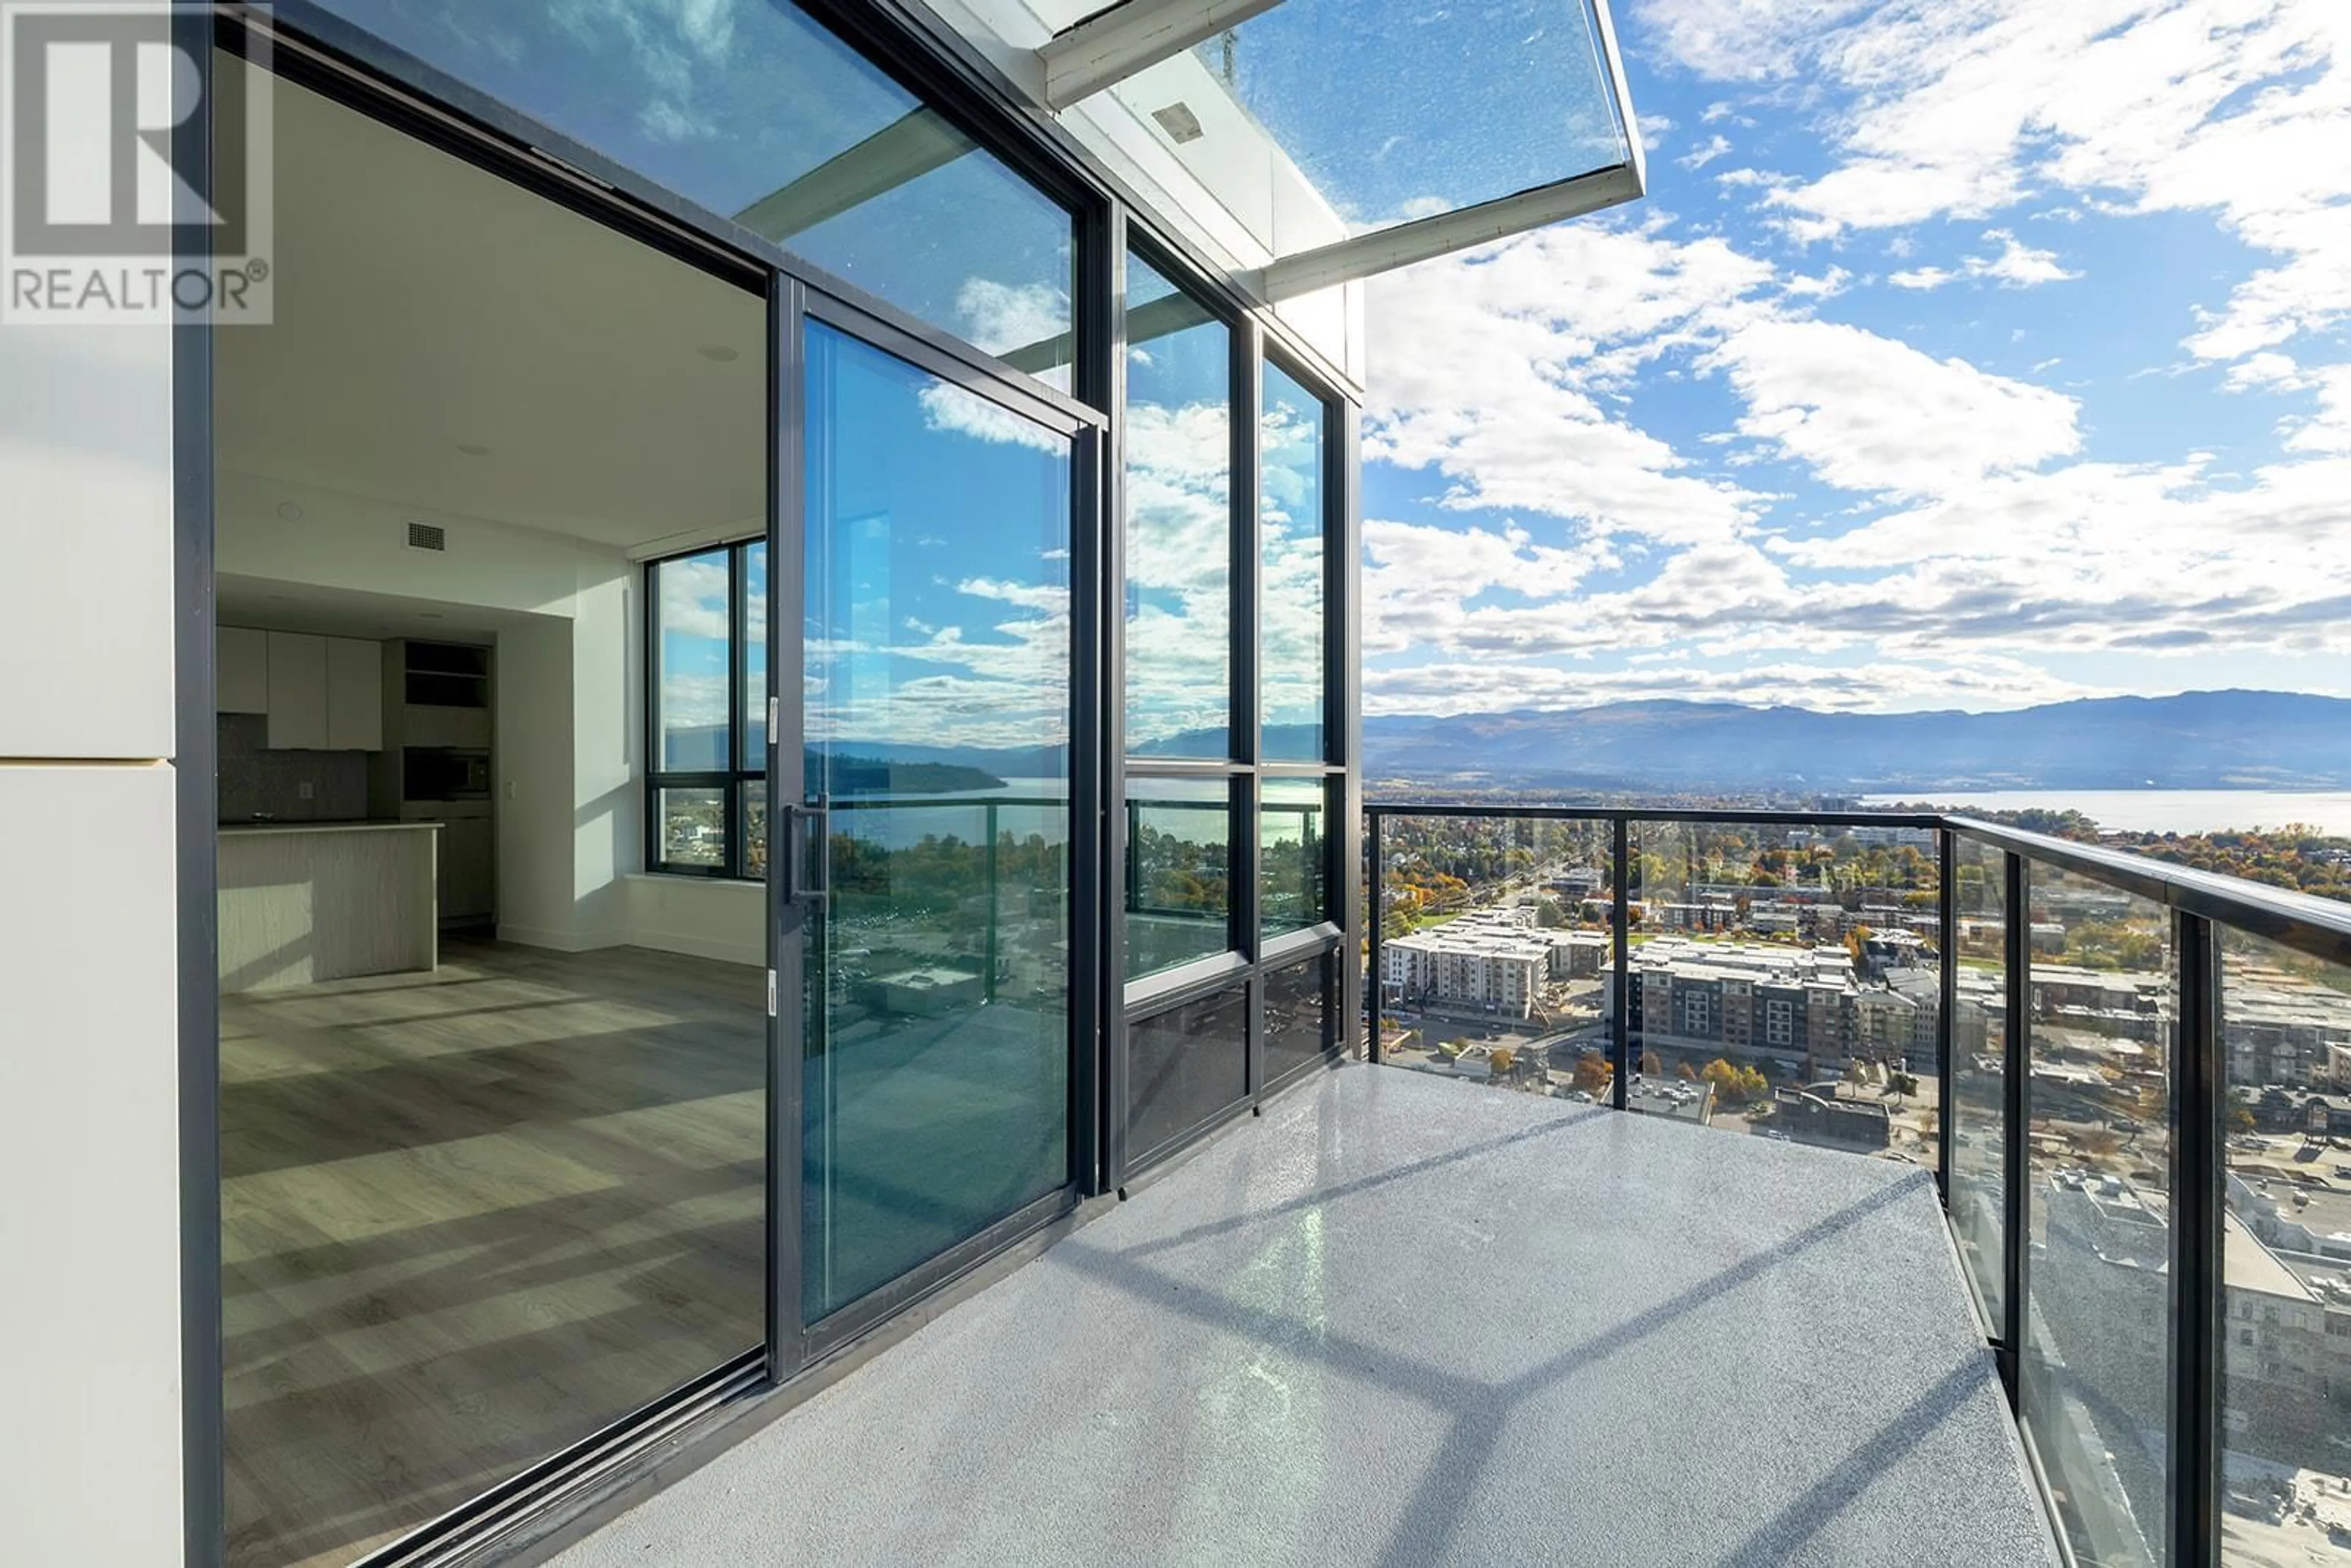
x: 2015, y: 265
x: 1974, y: 542
x: 2329, y: 430
x: 1495, y: 370
x: 2018, y: 265
x: 1700, y: 157
x: 1420, y: 581
x: 1740, y: 40
x: 1922, y: 277
x: 1867, y: 413
x: 1963, y: 107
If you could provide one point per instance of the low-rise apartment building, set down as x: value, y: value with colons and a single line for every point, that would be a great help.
x: 1493, y: 962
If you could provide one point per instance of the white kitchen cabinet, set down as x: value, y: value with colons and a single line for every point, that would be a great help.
x: 298, y: 692
x: 354, y: 694
x: 241, y: 684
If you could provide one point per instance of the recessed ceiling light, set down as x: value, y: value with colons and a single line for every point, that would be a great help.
x: 719, y: 353
x: 472, y: 449
x: 1178, y: 121
x: 290, y: 512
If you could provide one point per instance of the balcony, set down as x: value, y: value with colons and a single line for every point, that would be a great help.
x: 2036, y: 1254
x: 1401, y: 1320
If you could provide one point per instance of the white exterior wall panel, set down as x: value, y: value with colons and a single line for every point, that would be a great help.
x: 90, y: 1189
x: 86, y: 537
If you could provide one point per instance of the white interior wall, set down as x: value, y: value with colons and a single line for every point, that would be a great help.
x: 707, y: 919
x: 607, y: 707
x: 534, y: 774
x: 89, y: 1225
x: 569, y: 616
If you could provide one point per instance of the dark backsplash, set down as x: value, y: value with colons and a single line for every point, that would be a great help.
x: 257, y: 781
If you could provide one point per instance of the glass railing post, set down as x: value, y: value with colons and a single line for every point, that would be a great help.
x: 2017, y: 939
x: 1376, y: 987
x: 1620, y: 1031
x: 1946, y: 936
x: 2197, y: 1075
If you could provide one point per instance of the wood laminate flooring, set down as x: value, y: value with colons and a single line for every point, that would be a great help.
x: 470, y: 1216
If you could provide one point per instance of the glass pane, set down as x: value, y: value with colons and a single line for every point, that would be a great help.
x: 1291, y: 522
x: 1179, y: 867
x: 690, y: 684
x: 1496, y: 953
x: 756, y: 112
x: 2097, y: 1361
x: 1183, y: 1067
x: 1479, y: 100
x: 1178, y: 522
x: 1296, y: 847
x: 693, y: 827
x: 481, y: 1194
x: 2285, y: 1315
x: 754, y: 828
x: 1786, y: 981
x: 1979, y: 1125
x: 937, y: 709
x: 1300, y: 1006
x: 754, y: 657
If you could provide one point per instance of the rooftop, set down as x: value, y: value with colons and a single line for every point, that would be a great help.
x: 1402, y: 1319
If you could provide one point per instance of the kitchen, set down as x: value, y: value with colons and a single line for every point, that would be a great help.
x: 356, y: 819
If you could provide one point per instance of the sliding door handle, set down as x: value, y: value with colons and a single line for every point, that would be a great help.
x: 807, y: 832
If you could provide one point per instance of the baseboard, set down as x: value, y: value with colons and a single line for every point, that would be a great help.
x: 693, y: 947
x: 561, y: 941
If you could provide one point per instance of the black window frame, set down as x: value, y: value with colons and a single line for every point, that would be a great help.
x: 1252, y: 956
x: 743, y: 767
x: 311, y: 44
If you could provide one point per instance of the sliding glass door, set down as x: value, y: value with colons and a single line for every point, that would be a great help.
x: 927, y: 904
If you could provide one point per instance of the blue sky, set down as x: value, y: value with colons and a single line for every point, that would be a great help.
x: 1966, y: 353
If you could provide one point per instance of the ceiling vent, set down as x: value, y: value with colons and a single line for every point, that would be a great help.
x: 427, y: 536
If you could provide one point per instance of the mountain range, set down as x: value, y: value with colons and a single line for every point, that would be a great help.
x: 2196, y: 740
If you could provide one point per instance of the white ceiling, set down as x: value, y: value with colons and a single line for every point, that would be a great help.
x: 274, y: 606
x: 422, y: 304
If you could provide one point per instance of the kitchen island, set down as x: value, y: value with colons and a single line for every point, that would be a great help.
x: 303, y: 902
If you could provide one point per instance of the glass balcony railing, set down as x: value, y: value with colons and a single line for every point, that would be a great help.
x: 2131, y: 1079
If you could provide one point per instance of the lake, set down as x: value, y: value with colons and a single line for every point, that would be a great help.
x: 2157, y: 811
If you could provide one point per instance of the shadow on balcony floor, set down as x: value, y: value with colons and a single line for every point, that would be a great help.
x: 1403, y: 1320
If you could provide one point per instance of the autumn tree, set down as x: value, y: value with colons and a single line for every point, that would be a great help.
x: 1592, y: 1072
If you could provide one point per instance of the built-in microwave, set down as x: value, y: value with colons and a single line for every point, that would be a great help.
x: 443, y: 773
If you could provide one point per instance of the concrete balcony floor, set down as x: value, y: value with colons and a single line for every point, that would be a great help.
x: 1403, y: 1320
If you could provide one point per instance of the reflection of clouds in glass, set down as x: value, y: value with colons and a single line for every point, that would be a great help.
x: 1007, y: 687
x: 669, y: 41
x: 1001, y: 318
x: 1291, y: 534
x: 948, y: 567
x: 1178, y: 571
x: 955, y: 411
